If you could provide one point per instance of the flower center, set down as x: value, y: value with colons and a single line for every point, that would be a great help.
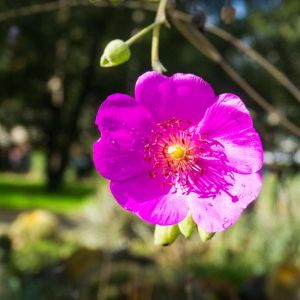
x: 187, y: 160
x: 176, y: 151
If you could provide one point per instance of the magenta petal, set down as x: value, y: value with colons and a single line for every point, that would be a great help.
x: 124, y: 126
x: 118, y: 160
x: 182, y: 96
x: 228, y: 121
x: 177, y: 136
x: 146, y: 197
x: 120, y: 115
x: 219, y: 213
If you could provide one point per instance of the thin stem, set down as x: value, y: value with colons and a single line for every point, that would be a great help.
x: 155, y: 62
x: 160, y: 17
x: 54, y: 5
x: 144, y: 31
x: 200, y: 42
x: 161, y: 11
x: 250, y: 52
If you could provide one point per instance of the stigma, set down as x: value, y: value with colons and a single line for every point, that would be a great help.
x: 176, y: 151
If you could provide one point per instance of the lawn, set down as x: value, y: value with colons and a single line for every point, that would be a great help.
x: 20, y: 191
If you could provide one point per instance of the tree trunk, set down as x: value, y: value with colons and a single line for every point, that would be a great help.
x: 65, y: 126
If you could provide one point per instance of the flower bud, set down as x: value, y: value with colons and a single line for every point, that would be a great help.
x: 205, y: 236
x: 115, y: 53
x: 187, y: 226
x: 165, y: 235
x: 228, y: 14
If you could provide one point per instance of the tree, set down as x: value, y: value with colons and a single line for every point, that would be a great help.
x: 49, y: 72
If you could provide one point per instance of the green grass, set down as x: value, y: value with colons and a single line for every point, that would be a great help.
x: 28, y: 191
x: 22, y: 194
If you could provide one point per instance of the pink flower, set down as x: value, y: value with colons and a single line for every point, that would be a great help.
x: 177, y: 148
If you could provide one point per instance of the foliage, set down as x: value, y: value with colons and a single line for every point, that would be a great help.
x: 43, y: 54
x: 40, y: 254
x: 118, y: 259
x: 28, y: 191
x: 51, y: 83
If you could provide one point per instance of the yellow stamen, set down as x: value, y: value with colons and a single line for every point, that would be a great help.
x: 176, y: 151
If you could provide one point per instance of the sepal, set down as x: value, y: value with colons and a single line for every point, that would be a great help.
x: 165, y: 235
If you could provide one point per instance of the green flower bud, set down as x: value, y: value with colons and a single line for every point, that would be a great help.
x: 165, y: 235
x: 115, y: 53
x: 205, y: 236
x: 187, y: 226
x: 228, y: 14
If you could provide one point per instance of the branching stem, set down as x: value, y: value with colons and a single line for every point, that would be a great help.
x: 200, y: 42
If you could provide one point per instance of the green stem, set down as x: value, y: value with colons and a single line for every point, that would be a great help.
x: 161, y: 11
x: 160, y: 17
x: 144, y: 31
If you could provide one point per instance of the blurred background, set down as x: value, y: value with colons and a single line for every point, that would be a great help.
x: 62, y: 236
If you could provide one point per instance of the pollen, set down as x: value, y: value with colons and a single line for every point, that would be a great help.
x: 176, y: 151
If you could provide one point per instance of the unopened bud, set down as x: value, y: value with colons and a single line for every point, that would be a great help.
x: 165, y: 235
x: 115, y: 53
x: 228, y: 13
x: 205, y: 236
x: 187, y: 226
